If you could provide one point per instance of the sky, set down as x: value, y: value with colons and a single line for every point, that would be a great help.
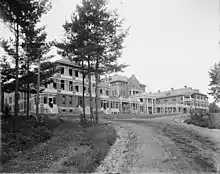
x: 171, y: 43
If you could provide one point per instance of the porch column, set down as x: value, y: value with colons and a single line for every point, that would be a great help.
x: 147, y: 106
x: 152, y: 106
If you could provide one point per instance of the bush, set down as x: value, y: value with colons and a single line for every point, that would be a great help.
x: 29, y: 132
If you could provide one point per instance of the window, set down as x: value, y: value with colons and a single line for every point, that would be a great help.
x: 165, y: 100
x: 107, y: 93
x: 76, y: 73
x: 107, y: 104
x: 133, y: 92
x: 62, y: 70
x: 129, y: 92
x: 54, y: 85
x: 101, y: 91
x: 70, y: 100
x: 173, y: 99
x: 141, y: 100
x: 54, y: 100
x: 62, y: 84
x: 71, y: 110
x: 70, y: 86
x: 45, y: 99
x: 10, y: 100
x: 116, y: 104
x: 77, y: 88
x: 80, y: 101
x: 64, y: 99
x: 70, y: 72
x: 84, y: 89
x: 25, y: 96
x: 111, y: 104
x: 64, y: 110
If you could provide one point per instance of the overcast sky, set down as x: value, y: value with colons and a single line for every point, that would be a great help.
x: 172, y: 43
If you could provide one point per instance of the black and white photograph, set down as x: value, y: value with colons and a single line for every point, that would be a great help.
x: 110, y: 86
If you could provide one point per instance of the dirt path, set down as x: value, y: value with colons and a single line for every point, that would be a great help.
x: 172, y: 148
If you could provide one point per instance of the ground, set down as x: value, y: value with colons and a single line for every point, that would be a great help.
x: 167, y: 146
x: 155, y: 144
x: 73, y: 148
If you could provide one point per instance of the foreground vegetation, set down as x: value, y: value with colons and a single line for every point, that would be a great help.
x: 54, y: 146
x: 207, y: 120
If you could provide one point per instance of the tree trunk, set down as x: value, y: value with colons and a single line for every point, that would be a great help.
x: 83, y: 93
x: 28, y: 89
x: 90, y: 91
x: 1, y: 96
x: 38, y: 91
x: 16, y: 78
x: 96, y: 91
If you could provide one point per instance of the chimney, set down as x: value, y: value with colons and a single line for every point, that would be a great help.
x: 158, y: 91
x: 185, y: 86
x: 172, y: 89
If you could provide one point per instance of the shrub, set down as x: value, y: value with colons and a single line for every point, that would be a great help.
x: 29, y: 132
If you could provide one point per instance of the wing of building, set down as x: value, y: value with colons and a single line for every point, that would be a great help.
x: 117, y: 94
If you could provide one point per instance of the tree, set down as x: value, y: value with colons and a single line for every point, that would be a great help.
x: 107, y: 35
x: 14, y: 14
x: 214, y: 108
x: 95, y: 35
x: 7, y: 73
x: 32, y: 39
x: 74, y: 46
x: 214, y: 83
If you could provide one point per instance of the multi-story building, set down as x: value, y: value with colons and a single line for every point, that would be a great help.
x: 180, y: 100
x: 117, y: 94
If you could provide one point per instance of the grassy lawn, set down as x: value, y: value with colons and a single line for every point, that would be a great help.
x: 71, y: 148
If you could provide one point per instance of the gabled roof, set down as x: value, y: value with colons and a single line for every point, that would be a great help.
x: 134, y: 77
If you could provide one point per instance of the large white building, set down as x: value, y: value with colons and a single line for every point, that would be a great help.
x: 117, y: 94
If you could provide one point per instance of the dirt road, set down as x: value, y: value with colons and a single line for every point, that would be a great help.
x: 172, y: 147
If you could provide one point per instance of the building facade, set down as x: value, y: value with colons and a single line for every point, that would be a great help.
x: 181, y: 100
x: 117, y: 94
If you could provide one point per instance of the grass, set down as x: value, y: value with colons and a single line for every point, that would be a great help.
x: 197, y: 148
x: 71, y: 148
x: 193, y: 146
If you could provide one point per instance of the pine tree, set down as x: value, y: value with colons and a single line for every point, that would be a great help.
x: 32, y: 39
x: 107, y: 35
x: 101, y: 29
x: 73, y: 46
x: 7, y: 73
x: 17, y: 14
x: 214, y: 84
